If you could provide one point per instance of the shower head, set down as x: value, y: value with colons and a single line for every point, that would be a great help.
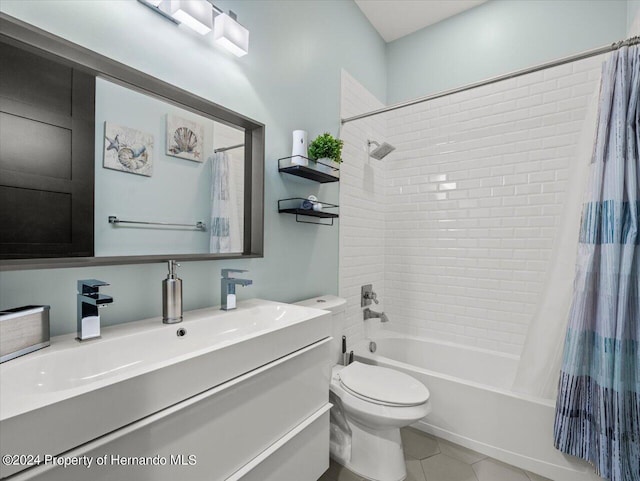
x: 381, y: 151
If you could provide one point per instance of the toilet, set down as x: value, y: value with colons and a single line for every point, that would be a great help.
x: 375, y: 402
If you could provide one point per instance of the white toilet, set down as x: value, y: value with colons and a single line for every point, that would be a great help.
x: 377, y: 402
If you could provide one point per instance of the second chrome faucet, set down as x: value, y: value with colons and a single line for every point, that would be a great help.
x: 228, y: 288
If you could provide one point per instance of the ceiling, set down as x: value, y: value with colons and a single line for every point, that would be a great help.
x: 396, y: 18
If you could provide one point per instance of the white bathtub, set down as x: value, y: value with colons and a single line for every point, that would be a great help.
x: 473, y: 406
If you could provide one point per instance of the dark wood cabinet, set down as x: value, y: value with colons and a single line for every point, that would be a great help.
x: 47, y: 130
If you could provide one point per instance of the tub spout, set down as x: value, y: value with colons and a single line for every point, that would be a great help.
x: 369, y: 314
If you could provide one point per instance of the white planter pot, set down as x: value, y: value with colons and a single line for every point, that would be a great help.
x: 327, y: 166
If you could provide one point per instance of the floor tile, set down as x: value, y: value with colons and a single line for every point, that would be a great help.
x: 433, y: 459
x: 326, y: 476
x: 337, y: 472
x: 417, y: 444
x: 492, y: 470
x: 536, y: 477
x: 414, y: 469
x: 460, y: 453
x: 443, y: 468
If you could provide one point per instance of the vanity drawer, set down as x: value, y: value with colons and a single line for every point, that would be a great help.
x: 224, y: 428
x: 302, y: 454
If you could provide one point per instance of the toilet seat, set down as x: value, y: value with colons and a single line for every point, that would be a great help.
x: 383, y: 386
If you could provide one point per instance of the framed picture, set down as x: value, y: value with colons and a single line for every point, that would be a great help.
x: 185, y: 138
x: 128, y: 150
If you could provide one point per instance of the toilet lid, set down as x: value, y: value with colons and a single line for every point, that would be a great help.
x: 383, y: 385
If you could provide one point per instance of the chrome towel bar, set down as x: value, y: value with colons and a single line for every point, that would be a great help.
x: 198, y: 225
x: 231, y: 147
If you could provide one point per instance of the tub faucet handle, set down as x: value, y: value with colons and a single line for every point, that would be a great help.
x: 367, y: 295
x: 373, y: 296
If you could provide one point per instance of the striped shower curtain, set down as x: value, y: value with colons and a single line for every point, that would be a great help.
x: 598, y: 405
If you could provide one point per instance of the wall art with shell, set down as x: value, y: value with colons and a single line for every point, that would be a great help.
x: 185, y: 138
x: 127, y: 149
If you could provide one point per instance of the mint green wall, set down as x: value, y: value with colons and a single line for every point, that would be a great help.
x: 290, y: 80
x: 497, y: 37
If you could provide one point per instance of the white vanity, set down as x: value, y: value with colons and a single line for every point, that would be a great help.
x: 240, y: 395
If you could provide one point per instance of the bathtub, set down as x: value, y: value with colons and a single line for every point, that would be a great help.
x: 473, y: 405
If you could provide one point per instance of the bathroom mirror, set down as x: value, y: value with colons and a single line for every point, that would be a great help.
x: 159, y: 184
x: 172, y: 174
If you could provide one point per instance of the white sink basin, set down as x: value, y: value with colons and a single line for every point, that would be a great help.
x: 71, y: 392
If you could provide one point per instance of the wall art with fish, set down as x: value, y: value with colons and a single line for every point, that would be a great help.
x: 127, y: 149
x: 185, y: 138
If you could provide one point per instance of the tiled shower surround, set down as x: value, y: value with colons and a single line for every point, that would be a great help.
x: 463, y: 215
x: 362, y: 220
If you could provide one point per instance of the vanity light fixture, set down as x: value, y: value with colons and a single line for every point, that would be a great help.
x: 195, y: 14
x: 202, y: 16
x: 159, y: 6
x: 228, y: 33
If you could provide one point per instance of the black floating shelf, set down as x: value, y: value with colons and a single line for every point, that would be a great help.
x: 293, y: 206
x: 310, y: 171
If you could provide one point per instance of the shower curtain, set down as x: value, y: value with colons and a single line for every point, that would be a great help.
x: 598, y: 404
x: 224, y: 216
x: 541, y: 356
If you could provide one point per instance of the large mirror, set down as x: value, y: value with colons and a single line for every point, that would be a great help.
x: 166, y: 180
x: 101, y: 164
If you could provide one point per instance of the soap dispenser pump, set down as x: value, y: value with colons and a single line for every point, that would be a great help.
x: 172, y: 296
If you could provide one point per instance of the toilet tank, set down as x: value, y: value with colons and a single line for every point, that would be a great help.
x: 337, y: 306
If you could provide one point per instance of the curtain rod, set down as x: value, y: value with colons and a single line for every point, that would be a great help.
x: 231, y: 147
x: 516, y: 73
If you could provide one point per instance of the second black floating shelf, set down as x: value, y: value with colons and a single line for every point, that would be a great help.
x: 316, y: 171
x: 293, y: 205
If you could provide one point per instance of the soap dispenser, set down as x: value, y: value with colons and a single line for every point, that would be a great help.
x: 172, y: 296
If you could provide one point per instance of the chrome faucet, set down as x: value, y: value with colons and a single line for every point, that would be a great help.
x: 369, y: 314
x: 228, y: 288
x: 89, y: 301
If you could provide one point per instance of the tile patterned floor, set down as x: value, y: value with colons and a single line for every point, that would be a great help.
x: 432, y: 459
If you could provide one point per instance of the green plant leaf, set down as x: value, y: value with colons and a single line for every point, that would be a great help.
x: 326, y: 146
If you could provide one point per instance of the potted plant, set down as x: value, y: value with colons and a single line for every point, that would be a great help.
x: 326, y: 151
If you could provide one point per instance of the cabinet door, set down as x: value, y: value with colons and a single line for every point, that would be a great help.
x: 47, y: 130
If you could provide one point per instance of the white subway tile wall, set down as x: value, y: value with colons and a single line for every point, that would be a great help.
x: 471, y: 198
x: 362, y: 200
